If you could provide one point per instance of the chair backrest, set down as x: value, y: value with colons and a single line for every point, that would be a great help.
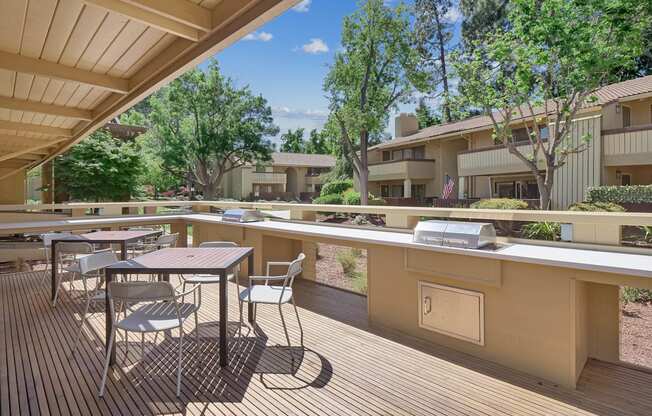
x: 217, y: 244
x: 168, y: 240
x: 74, y: 247
x: 97, y: 261
x: 135, y: 292
x: 48, y: 237
x: 295, y: 268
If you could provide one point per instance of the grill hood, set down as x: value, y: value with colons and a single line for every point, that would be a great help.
x: 455, y: 233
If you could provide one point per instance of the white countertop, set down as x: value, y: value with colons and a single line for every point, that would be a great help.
x: 592, y: 260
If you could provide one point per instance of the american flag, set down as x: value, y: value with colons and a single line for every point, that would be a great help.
x: 448, y: 188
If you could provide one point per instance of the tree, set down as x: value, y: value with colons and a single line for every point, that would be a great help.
x: 99, y: 168
x: 550, y: 63
x: 154, y: 173
x: 433, y: 37
x: 292, y: 141
x: 376, y: 69
x: 482, y: 18
x: 318, y: 143
x: 208, y: 127
x: 425, y: 115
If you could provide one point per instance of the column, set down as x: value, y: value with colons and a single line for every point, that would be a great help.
x: 407, y: 188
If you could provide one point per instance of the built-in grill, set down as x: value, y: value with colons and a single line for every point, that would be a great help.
x: 242, y: 215
x: 455, y: 234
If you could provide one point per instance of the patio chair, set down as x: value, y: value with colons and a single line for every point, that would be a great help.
x: 71, y: 253
x: 139, y: 246
x: 89, y: 267
x: 274, y: 294
x: 164, y: 241
x: 47, y: 246
x: 207, y: 279
x: 162, y: 309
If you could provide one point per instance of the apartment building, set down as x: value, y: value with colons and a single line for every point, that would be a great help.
x: 418, y: 163
x: 286, y: 176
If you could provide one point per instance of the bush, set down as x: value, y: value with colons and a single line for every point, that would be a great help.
x: 331, y: 199
x: 596, y: 207
x: 336, y: 187
x: 351, y: 197
x: 348, y: 261
x: 549, y: 231
x: 634, y: 194
x: 500, y: 203
x: 632, y: 294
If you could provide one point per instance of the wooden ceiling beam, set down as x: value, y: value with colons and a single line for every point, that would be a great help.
x: 41, y: 108
x: 23, y: 64
x: 29, y: 149
x: 14, y: 168
x: 9, y: 140
x: 149, y: 18
x: 182, y: 11
x: 35, y: 128
x: 226, y: 11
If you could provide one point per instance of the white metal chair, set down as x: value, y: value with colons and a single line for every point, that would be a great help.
x: 162, y: 309
x: 70, y: 252
x: 139, y: 246
x: 274, y: 294
x: 93, y: 266
x: 164, y: 241
x: 207, y: 279
x: 47, y: 246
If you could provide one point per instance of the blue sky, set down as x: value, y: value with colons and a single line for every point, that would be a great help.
x: 287, y: 59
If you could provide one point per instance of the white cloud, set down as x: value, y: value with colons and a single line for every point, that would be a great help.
x: 453, y: 15
x: 315, y: 46
x: 302, y: 7
x: 259, y: 36
x: 290, y: 119
x: 286, y: 112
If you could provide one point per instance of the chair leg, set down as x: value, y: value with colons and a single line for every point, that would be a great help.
x: 296, y: 312
x: 197, y: 326
x: 106, y: 364
x: 56, y: 293
x: 285, y: 329
x: 180, y: 361
x: 241, y: 323
x: 142, y: 345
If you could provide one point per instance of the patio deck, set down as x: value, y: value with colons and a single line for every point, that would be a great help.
x: 347, y: 368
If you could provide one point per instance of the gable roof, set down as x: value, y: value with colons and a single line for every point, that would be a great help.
x: 609, y: 93
x: 302, y: 159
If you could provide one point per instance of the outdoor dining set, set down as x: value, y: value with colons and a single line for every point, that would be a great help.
x: 136, y: 289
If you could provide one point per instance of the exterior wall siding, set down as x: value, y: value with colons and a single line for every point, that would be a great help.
x: 628, y: 148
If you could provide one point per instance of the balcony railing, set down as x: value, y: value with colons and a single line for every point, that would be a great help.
x: 269, y: 178
x: 628, y: 146
x: 494, y: 160
x: 402, y: 169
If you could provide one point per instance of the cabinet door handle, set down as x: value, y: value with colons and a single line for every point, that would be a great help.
x: 427, y: 305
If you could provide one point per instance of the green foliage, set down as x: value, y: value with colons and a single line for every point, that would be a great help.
x: 632, y: 294
x: 556, y: 54
x: 596, y: 207
x: 318, y: 143
x: 482, y: 18
x: 425, y: 115
x: 376, y: 69
x: 549, y: 231
x: 292, y: 141
x: 154, y: 174
x: 500, y: 203
x: 207, y: 127
x: 336, y: 187
x: 348, y: 261
x: 634, y: 194
x: 351, y: 197
x: 360, y: 283
x: 330, y: 199
x: 99, y: 168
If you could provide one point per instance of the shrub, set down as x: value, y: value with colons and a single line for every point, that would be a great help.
x: 500, y: 203
x: 360, y: 283
x: 351, y: 197
x: 634, y: 194
x: 632, y: 294
x: 332, y: 199
x: 336, y: 187
x: 348, y: 262
x: 541, y: 231
x: 596, y: 207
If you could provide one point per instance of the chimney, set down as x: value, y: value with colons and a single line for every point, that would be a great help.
x: 405, y: 125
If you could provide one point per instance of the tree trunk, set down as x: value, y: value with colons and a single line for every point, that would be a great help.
x: 444, y: 72
x: 210, y: 191
x: 364, y: 168
x: 545, y: 183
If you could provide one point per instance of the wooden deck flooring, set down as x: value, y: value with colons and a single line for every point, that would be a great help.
x: 346, y: 369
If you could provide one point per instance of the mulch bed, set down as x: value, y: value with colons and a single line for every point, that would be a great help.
x: 636, y: 334
x: 329, y: 270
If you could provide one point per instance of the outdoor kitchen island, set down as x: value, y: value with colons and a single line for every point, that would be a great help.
x: 542, y: 310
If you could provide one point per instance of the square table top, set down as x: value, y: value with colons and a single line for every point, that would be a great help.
x: 107, y: 236
x: 185, y: 260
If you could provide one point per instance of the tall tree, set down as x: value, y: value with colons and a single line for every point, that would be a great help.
x: 434, y: 34
x: 99, y: 168
x: 482, y: 18
x: 550, y: 63
x: 425, y: 115
x: 208, y: 127
x: 376, y: 70
x: 317, y: 143
x: 292, y: 141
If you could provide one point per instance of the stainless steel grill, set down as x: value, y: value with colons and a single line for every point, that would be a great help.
x: 242, y: 215
x: 455, y: 233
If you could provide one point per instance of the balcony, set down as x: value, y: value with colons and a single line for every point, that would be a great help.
x: 268, y: 178
x: 494, y: 160
x: 402, y: 169
x: 628, y: 146
x: 315, y: 179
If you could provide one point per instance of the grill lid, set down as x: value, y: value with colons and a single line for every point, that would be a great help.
x: 455, y: 233
x: 242, y: 215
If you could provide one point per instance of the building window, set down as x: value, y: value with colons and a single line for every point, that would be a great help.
x: 384, y: 191
x: 397, y: 191
x: 397, y: 155
x: 419, y: 153
x: 419, y: 191
x: 627, y: 117
x: 625, y: 179
x: 387, y: 156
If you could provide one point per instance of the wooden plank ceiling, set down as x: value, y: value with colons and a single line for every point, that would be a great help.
x: 69, y: 66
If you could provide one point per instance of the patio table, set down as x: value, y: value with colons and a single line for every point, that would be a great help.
x: 99, y: 237
x: 213, y: 261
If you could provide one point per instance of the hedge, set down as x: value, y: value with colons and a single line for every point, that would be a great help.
x: 634, y: 194
x: 351, y: 197
x: 330, y: 199
x: 336, y: 187
x: 596, y: 207
x: 500, y: 203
